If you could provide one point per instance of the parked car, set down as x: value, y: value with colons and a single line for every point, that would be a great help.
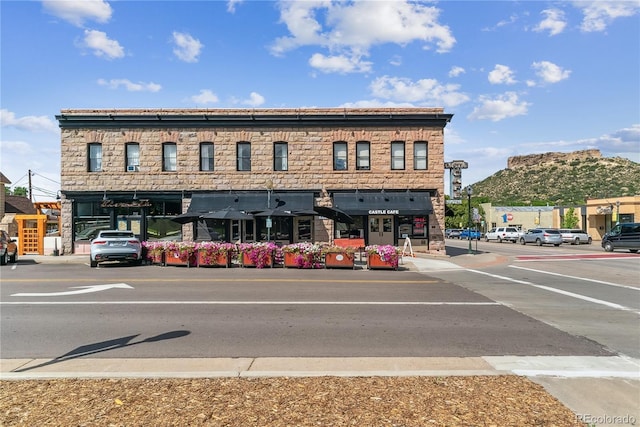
x: 8, y: 249
x: 575, y: 236
x: 510, y: 234
x: 454, y: 233
x: 542, y: 236
x: 470, y: 235
x: 623, y: 236
x: 115, y: 245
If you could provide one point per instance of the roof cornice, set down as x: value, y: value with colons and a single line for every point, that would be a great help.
x: 402, y: 117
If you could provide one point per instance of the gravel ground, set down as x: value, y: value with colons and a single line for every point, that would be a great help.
x: 314, y: 401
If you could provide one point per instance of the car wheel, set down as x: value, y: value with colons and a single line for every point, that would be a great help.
x: 499, y: 239
x: 93, y: 263
x: 3, y: 259
x: 608, y: 247
x: 589, y: 241
x: 486, y: 239
x: 538, y: 242
x: 556, y: 244
x: 13, y: 258
x: 522, y: 241
x: 576, y: 241
x: 634, y: 251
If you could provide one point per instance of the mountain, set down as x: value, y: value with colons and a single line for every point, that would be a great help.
x: 560, y: 179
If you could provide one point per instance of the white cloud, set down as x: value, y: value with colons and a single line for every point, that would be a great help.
x: 78, y: 11
x: 550, y: 72
x: 231, y: 5
x: 554, y: 22
x: 130, y: 86
x: 339, y: 64
x: 255, y: 100
x: 16, y: 147
x: 455, y: 71
x: 101, y: 45
x: 187, y: 48
x: 599, y: 14
x: 349, y: 29
x: 499, y: 108
x: 27, y: 123
x: 205, y: 97
x: 501, y: 74
x: 424, y: 91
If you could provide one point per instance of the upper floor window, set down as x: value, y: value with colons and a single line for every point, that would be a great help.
x: 206, y: 156
x: 363, y: 155
x: 397, y: 155
x: 244, y: 156
x: 132, y: 153
x: 340, y: 156
x: 280, y: 156
x: 169, y: 157
x: 94, y: 157
x: 420, y: 155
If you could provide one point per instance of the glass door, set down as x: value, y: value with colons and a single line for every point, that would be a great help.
x: 380, y: 230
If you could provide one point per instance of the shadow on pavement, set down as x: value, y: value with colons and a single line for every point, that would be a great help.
x: 102, y: 346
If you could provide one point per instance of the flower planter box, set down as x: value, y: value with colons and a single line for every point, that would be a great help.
x: 374, y: 261
x: 173, y: 258
x: 156, y: 258
x: 339, y: 260
x: 246, y: 261
x: 222, y: 259
x: 297, y: 260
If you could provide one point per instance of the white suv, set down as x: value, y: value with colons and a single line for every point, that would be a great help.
x: 503, y: 233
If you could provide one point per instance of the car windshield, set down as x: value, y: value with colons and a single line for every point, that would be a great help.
x: 552, y: 231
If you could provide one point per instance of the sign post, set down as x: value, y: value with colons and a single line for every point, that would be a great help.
x: 407, y: 243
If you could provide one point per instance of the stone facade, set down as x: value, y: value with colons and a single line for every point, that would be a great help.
x: 310, y: 152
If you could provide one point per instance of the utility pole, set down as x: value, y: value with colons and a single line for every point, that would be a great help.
x: 30, y: 191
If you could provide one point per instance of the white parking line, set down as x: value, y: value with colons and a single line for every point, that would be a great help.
x: 577, y: 278
x: 560, y: 291
x: 423, y: 303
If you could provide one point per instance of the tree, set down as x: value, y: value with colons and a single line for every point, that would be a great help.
x: 17, y: 191
x: 570, y: 219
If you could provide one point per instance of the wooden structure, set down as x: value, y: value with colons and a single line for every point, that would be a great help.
x: 32, y: 228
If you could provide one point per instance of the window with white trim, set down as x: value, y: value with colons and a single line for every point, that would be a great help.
x: 340, y: 156
x: 363, y: 156
x: 169, y: 157
x: 94, y: 157
x: 420, y: 155
x: 132, y: 153
x: 243, y: 150
x: 206, y: 156
x: 397, y: 155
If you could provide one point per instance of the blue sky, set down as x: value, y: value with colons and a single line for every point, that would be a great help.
x: 520, y: 77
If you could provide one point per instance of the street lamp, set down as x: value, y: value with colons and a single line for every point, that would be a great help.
x: 469, y: 193
x: 618, y: 212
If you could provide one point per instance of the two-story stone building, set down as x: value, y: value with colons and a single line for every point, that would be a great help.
x: 302, y: 174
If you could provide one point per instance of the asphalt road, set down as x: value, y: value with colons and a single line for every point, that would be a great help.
x: 196, y: 312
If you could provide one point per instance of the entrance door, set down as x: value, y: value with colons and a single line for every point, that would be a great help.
x: 381, y: 230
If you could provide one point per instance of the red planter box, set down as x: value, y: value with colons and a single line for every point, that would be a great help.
x: 171, y: 258
x: 339, y: 260
x: 290, y: 260
x: 217, y: 260
x: 375, y: 262
x: 157, y: 258
x: 246, y: 261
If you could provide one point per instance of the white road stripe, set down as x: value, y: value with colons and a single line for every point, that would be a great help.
x: 424, y: 303
x: 560, y: 291
x: 577, y: 278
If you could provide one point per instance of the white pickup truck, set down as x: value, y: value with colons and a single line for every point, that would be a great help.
x: 511, y: 234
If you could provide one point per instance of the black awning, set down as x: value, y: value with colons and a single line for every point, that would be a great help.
x: 251, y: 202
x: 384, y: 203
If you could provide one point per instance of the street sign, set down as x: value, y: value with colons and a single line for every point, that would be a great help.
x: 453, y: 202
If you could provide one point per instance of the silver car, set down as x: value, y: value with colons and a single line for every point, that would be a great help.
x: 115, y: 245
x: 542, y: 236
x: 575, y: 236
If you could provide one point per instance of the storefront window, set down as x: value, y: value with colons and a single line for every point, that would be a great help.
x: 412, y: 226
x: 353, y: 231
x: 280, y: 229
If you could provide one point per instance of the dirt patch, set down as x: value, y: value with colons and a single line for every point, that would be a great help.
x: 315, y: 401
